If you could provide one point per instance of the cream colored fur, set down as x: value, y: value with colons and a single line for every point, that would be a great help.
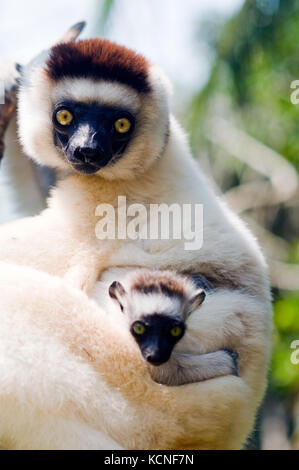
x: 67, y: 368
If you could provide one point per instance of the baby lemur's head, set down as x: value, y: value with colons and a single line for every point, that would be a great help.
x: 94, y: 107
x: 156, y: 304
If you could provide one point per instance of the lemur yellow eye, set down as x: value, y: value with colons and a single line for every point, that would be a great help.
x: 122, y: 125
x: 139, y: 328
x: 64, y: 117
x: 176, y: 331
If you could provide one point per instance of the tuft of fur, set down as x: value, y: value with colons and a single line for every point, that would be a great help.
x: 99, y: 59
x: 159, y: 282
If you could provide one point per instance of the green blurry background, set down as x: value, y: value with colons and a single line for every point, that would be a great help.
x: 232, y: 73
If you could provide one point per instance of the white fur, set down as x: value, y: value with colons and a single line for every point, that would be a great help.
x: 145, y: 304
x: 102, y: 92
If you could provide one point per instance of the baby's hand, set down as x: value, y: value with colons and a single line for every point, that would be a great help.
x: 234, y: 356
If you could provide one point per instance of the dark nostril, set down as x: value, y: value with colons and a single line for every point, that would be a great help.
x: 86, y: 154
x: 154, y: 359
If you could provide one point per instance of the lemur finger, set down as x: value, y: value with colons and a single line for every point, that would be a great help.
x: 10, y: 74
x: 234, y: 355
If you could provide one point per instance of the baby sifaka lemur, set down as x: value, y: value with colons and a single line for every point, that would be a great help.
x: 157, y: 305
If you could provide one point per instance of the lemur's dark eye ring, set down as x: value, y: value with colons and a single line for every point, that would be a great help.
x: 64, y: 117
x: 139, y: 328
x: 123, y: 125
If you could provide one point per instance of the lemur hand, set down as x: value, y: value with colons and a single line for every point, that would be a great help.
x: 9, y: 79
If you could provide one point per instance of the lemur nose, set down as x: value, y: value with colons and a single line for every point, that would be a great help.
x: 87, y: 154
x: 154, y: 358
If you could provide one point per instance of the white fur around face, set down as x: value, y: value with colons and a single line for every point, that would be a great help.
x: 102, y: 92
x: 138, y: 303
x: 35, y: 109
x: 40, y: 94
x: 148, y: 304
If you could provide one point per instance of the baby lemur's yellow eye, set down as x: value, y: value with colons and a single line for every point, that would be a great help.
x: 176, y: 331
x: 64, y: 117
x: 122, y: 125
x: 138, y: 328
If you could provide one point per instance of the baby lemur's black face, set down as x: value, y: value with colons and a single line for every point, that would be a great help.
x: 156, y: 336
x: 91, y: 135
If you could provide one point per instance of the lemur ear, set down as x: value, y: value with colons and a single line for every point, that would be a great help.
x: 73, y: 32
x: 197, y: 300
x: 117, y: 292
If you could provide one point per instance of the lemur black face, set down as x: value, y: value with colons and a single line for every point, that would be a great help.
x: 91, y: 135
x: 156, y: 336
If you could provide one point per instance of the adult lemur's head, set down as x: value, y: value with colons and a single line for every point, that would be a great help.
x: 95, y: 107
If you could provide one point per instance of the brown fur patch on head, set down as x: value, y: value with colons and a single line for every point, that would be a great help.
x: 164, y: 283
x: 99, y: 59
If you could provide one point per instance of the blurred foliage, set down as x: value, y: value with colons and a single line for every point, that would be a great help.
x: 105, y: 8
x: 257, y: 58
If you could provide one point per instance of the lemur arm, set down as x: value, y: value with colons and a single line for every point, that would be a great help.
x: 189, y: 368
x: 82, y: 277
